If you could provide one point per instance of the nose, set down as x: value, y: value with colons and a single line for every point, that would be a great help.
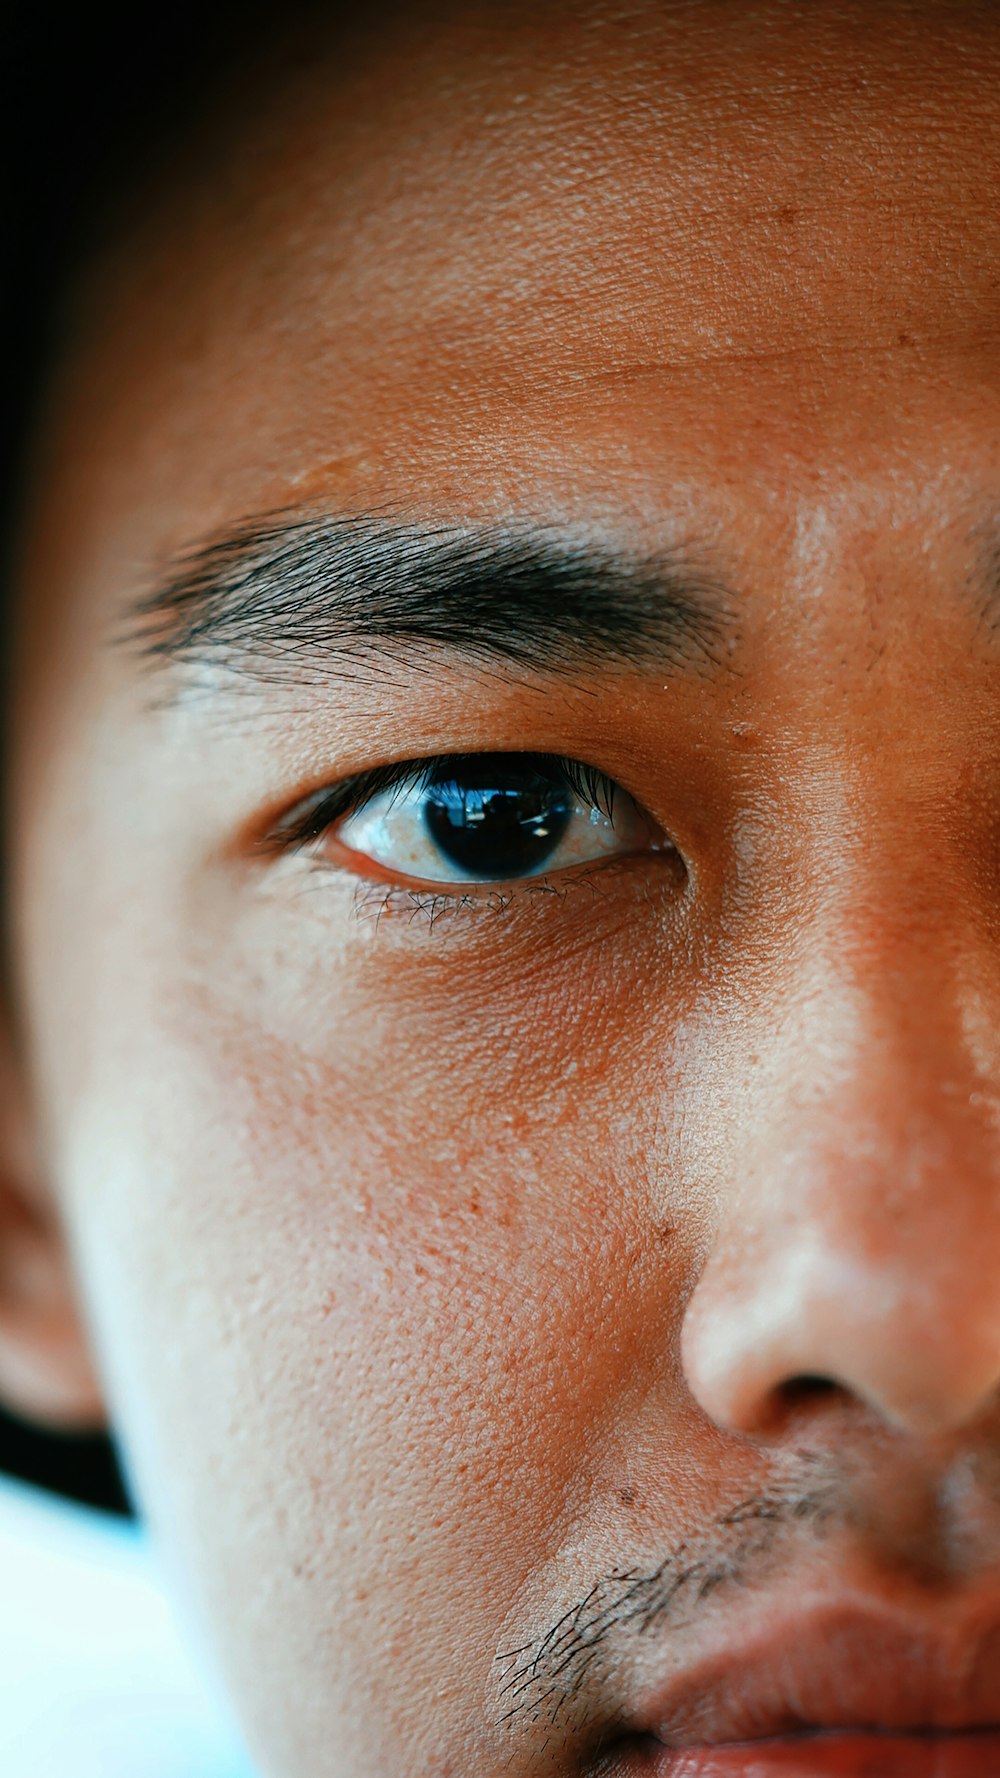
x: 858, y: 1247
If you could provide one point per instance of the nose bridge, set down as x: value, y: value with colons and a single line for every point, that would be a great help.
x: 887, y: 982
x: 861, y: 1238
x: 885, y: 999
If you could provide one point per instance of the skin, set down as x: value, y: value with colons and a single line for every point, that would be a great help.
x: 433, y: 1269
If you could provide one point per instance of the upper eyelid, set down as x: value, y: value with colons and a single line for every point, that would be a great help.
x: 315, y: 813
x: 312, y: 819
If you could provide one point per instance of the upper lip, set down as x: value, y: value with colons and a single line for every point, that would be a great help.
x: 835, y: 1664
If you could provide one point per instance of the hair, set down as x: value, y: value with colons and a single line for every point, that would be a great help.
x: 94, y: 98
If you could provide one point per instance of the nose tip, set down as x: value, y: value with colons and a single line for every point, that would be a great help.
x: 853, y: 1233
x: 813, y: 1322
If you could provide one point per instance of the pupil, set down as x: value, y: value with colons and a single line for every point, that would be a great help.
x: 498, y: 820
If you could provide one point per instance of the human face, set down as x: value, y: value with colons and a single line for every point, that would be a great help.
x: 550, y: 1322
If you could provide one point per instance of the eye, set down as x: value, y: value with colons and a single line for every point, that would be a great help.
x: 482, y: 818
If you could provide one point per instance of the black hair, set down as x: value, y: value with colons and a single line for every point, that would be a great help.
x: 92, y: 96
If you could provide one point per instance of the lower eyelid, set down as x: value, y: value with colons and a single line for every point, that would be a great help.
x: 374, y: 898
x: 559, y: 881
x: 623, y: 888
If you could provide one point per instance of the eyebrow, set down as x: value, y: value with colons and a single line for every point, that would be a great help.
x: 295, y: 596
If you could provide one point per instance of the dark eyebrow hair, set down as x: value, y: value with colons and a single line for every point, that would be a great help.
x: 293, y: 596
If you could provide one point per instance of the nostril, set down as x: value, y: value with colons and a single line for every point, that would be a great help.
x: 798, y: 1391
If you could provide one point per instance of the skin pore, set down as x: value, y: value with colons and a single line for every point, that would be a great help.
x: 511, y: 1298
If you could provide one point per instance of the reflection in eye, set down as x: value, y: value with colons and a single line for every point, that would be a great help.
x: 488, y: 818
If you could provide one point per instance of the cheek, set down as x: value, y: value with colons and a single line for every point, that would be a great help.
x: 368, y: 1336
x: 364, y: 1231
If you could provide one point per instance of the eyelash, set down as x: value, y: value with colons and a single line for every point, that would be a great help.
x: 372, y: 900
x: 319, y: 814
x: 311, y: 820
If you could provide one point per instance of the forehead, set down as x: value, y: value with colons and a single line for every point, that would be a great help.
x: 502, y: 256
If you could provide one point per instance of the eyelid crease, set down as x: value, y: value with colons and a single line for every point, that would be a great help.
x: 311, y: 819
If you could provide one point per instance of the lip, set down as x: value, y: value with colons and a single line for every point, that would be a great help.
x: 836, y: 1754
x: 838, y: 1680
